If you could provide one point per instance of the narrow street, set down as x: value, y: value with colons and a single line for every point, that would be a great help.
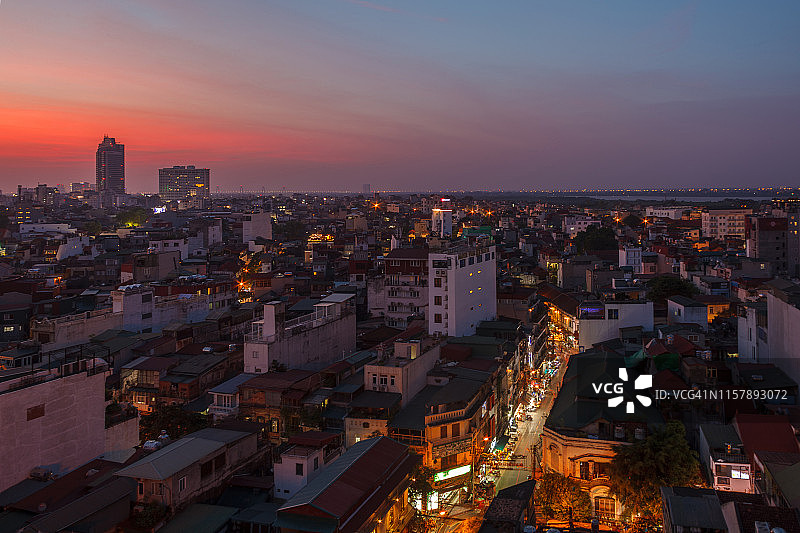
x: 529, y: 434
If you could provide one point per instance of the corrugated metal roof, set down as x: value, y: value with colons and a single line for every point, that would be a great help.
x: 351, y: 477
x: 232, y: 385
x: 171, y: 459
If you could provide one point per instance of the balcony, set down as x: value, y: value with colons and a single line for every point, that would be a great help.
x: 434, y: 418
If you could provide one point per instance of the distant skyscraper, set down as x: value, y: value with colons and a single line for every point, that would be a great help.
x: 442, y: 219
x: 366, y: 189
x: 81, y: 186
x: 184, y: 183
x: 110, y: 166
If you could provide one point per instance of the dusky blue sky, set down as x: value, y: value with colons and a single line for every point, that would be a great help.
x: 329, y: 94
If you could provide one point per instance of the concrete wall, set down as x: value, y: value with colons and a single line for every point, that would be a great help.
x: 354, y: 430
x: 287, y: 482
x: 783, y: 336
x: 592, y: 331
x: 122, y: 436
x: 312, y: 349
x: 73, y: 330
x: 678, y: 314
x: 408, y: 379
x: 69, y: 432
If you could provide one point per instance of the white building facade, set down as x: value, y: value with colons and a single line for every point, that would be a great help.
x: 463, y: 290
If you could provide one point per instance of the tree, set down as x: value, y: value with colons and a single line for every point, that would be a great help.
x: 149, y: 515
x: 596, y: 238
x: 92, y: 227
x: 638, y: 471
x: 632, y: 221
x: 173, y: 419
x: 291, y: 230
x: 662, y: 287
x: 421, y: 483
x: 556, y: 495
x: 133, y: 217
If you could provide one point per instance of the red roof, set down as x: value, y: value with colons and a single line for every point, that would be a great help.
x: 277, y: 380
x: 772, y: 433
x: 314, y: 438
x: 669, y: 380
x: 369, y: 477
x: 408, y: 253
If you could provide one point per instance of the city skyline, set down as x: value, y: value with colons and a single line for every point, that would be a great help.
x: 332, y: 94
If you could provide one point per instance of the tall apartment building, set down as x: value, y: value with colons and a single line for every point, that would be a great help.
x: 184, y: 183
x: 110, y: 166
x: 406, y: 285
x: 442, y: 219
x: 721, y: 223
x: 442, y: 222
x: 766, y: 240
x: 463, y: 291
x: 309, y: 342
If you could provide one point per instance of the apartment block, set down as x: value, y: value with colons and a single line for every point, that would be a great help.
x: 311, y: 341
x: 463, y: 291
x: 721, y: 223
x: 405, y: 285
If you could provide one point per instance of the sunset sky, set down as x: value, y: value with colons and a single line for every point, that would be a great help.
x: 435, y: 94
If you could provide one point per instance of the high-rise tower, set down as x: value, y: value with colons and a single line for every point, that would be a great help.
x: 110, y: 166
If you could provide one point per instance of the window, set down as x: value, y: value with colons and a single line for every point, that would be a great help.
x: 182, y: 484
x: 437, y: 318
x: 437, y: 282
x: 145, y: 316
x: 613, y: 314
x: 604, y: 505
x: 37, y: 411
x: 206, y: 469
x: 298, y: 469
x: 147, y: 298
x: 140, y: 487
x: 365, y: 425
x: 384, y: 380
x: 255, y: 355
x: 316, y: 463
x: 443, y: 432
x: 472, y: 260
x: 8, y: 329
x: 374, y: 379
x: 219, y: 462
x: 462, y: 263
x: 450, y: 461
x: 456, y: 430
x: 437, y: 300
x: 391, y: 380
